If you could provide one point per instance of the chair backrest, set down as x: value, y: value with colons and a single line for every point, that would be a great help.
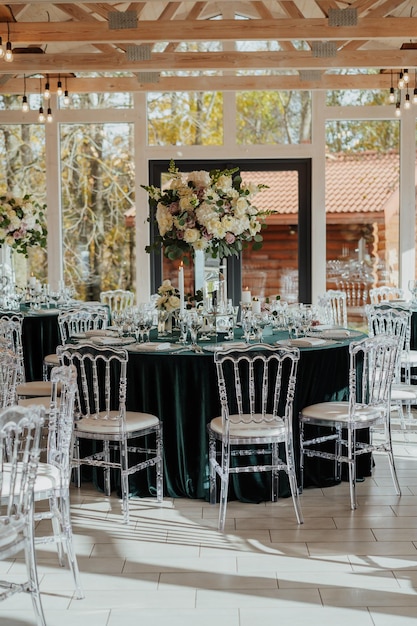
x: 333, y: 305
x: 385, y: 294
x: 11, y: 329
x: 357, y: 292
x: 102, y: 380
x: 117, y: 299
x: 79, y: 320
x: 257, y: 385
x: 386, y: 320
x: 61, y: 419
x: 9, y: 368
x: 20, y: 432
x: 371, y: 373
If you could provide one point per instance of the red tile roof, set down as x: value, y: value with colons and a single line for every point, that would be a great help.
x: 355, y: 183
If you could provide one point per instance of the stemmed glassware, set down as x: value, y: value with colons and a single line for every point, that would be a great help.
x: 194, y: 323
x: 412, y: 286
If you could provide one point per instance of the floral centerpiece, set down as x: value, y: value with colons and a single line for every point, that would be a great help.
x: 210, y: 211
x: 22, y: 223
x: 169, y: 297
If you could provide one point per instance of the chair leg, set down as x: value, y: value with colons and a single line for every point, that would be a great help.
x: 159, y: 465
x: 212, y: 464
x: 30, y: 558
x: 352, y: 469
x: 69, y: 544
x: 107, y: 477
x: 292, y: 478
x: 124, y: 481
x: 274, y: 473
x: 301, y: 456
x: 391, y: 459
x: 224, y: 485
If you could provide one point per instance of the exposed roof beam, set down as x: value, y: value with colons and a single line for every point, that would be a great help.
x: 183, y: 61
x: 210, y: 30
x: 204, y: 83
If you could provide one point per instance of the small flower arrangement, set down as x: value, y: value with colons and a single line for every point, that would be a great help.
x: 22, y: 223
x: 169, y: 297
x: 210, y: 211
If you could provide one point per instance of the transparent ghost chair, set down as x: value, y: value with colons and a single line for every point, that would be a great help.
x: 385, y: 294
x: 371, y: 374
x: 101, y: 416
x: 20, y: 431
x: 256, y: 390
x: 332, y: 306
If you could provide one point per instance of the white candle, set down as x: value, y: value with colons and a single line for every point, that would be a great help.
x: 181, y: 286
x: 256, y: 307
x: 32, y: 281
x: 246, y: 296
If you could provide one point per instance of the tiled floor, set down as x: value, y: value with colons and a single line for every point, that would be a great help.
x: 171, y: 566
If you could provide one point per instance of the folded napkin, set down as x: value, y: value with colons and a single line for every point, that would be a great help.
x: 307, y: 342
x: 98, y: 333
x: 112, y: 341
x: 230, y: 345
x: 154, y: 346
x: 336, y: 334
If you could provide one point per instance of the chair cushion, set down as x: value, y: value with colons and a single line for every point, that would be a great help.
x: 249, y: 430
x: 51, y: 359
x: 336, y: 413
x: 44, y: 401
x: 403, y: 392
x: 48, y: 478
x: 134, y: 421
x: 34, y: 388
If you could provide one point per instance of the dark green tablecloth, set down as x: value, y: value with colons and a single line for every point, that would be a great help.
x: 182, y: 390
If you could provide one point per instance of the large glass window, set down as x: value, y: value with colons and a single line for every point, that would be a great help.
x: 273, y: 117
x: 362, y: 205
x: 185, y: 118
x: 98, y: 207
x: 22, y: 171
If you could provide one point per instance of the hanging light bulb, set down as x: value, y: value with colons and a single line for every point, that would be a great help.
x: 59, y: 86
x: 49, y: 117
x: 398, y: 109
x: 406, y: 76
x: 1, y: 48
x: 9, y: 52
x: 401, y: 81
x: 25, y: 104
x: 66, y: 98
x: 391, y: 92
x: 407, y: 103
x: 415, y: 87
x: 47, y: 93
x: 41, y: 116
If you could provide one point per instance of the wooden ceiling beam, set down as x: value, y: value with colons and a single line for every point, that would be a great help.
x: 210, y: 30
x: 199, y: 61
x: 204, y: 83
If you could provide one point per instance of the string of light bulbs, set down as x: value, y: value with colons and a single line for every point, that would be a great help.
x: 403, y: 87
x: 45, y: 97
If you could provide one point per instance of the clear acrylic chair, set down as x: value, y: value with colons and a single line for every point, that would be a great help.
x: 54, y: 476
x: 395, y: 322
x: 256, y: 390
x: 117, y: 299
x: 101, y: 416
x: 20, y: 431
x: 333, y: 306
x: 81, y: 320
x: 385, y: 294
x: 371, y: 374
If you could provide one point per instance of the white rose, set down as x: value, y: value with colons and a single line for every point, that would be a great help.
x: 199, y: 178
x: 191, y: 235
x: 224, y: 182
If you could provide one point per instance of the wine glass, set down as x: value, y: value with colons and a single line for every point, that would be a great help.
x: 412, y: 286
x: 194, y: 322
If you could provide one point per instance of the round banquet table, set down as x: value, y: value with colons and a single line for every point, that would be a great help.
x: 181, y: 389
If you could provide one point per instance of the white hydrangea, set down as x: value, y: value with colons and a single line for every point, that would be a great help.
x: 199, y: 178
x: 164, y: 219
